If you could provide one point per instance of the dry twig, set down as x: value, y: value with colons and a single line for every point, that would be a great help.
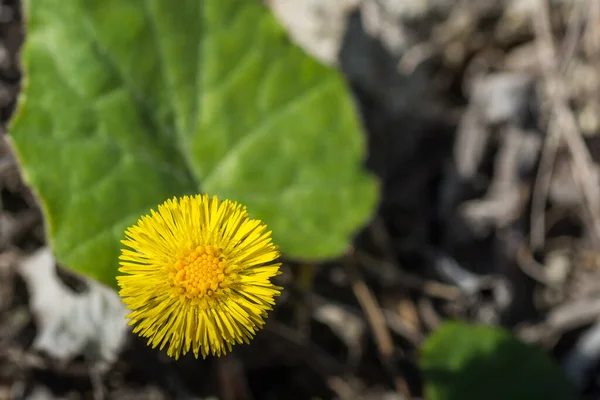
x: 592, y: 36
x: 573, y: 34
x: 431, y: 288
x: 563, y: 116
x: 541, y: 188
x: 376, y: 319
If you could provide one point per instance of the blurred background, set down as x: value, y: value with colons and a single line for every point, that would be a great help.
x: 482, y: 121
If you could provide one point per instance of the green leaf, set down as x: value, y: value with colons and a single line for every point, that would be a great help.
x: 464, y: 362
x: 128, y: 103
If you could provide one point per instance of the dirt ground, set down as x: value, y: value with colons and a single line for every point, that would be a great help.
x: 482, y: 120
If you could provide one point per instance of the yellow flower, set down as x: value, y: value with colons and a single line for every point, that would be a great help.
x: 198, y: 275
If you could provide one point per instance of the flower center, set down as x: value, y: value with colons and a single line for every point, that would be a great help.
x: 202, y: 271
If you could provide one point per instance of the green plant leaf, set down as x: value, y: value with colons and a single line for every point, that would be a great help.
x: 128, y: 103
x: 464, y: 362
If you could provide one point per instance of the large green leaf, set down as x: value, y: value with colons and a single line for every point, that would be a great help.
x: 128, y: 103
x: 464, y: 362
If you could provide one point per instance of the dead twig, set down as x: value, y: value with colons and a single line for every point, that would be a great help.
x: 530, y: 266
x: 376, y: 319
x: 342, y: 388
x: 541, y: 188
x: 563, y: 116
x: 573, y: 34
x: 394, y: 323
x: 574, y: 314
x: 592, y: 35
x: 398, y: 277
x: 431, y: 319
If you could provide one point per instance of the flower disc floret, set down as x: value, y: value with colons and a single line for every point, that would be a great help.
x: 201, y: 272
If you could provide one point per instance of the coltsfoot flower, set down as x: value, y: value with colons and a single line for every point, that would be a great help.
x: 197, y: 275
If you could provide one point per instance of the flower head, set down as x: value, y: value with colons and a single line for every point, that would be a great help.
x: 197, y: 275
